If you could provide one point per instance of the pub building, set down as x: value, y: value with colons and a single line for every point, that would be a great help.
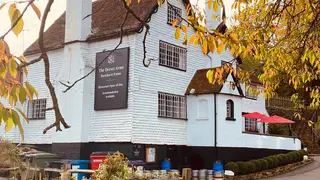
x: 167, y: 110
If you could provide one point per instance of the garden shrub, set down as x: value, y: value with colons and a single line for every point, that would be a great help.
x: 270, y: 162
x: 243, y: 168
x: 257, y: 164
x: 294, y: 157
x: 232, y: 166
x: 264, y: 164
x: 280, y: 159
x: 290, y: 158
x: 275, y: 161
x: 251, y: 167
x: 301, y: 154
x: 284, y: 159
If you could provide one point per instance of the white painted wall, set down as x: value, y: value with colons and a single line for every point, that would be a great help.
x: 33, y: 130
x: 200, y: 123
x: 147, y: 127
x: 110, y: 125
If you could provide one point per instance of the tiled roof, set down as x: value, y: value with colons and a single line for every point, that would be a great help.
x: 106, y: 23
x: 200, y: 84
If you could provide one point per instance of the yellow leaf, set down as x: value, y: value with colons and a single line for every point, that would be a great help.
x: 177, y: 34
x: 220, y: 47
x: 13, y: 67
x: 184, y: 28
x: 22, y: 95
x: 232, y: 51
x: 9, y: 124
x: 37, y: 11
x: 18, y: 24
x: 210, y: 4
x: 216, y: 6
x: 31, y: 89
x: 17, y: 122
x: 1, y: 49
x: 23, y: 115
x: 205, y: 46
x: 2, y: 5
x: 12, y: 9
x: 185, y: 39
x: 192, y: 38
x: 212, y: 44
x: 210, y: 76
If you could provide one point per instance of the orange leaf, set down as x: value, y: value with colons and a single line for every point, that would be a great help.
x: 192, y: 38
x: 184, y: 28
x: 174, y: 23
x: 220, y: 47
x: 36, y: 10
x: 205, y: 46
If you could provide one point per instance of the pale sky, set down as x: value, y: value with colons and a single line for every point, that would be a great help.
x: 31, y: 23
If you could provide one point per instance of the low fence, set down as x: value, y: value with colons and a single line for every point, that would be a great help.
x: 280, y: 102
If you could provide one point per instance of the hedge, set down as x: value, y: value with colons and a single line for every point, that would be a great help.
x: 232, y: 166
x: 257, y: 164
x: 251, y: 167
x: 242, y: 168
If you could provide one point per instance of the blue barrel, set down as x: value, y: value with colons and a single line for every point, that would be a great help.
x: 166, y: 165
x: 80, y: 164
x: 218, y: 169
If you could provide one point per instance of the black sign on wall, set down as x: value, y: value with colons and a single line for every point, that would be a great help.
x: 111, y: 84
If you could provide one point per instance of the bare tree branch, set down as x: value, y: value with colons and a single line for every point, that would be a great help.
x: 30, y: 62
x: 105, y: 2
x: 16, y: 22
x: 44, y: 55
x: 80, y: 79
x: 129, y: 10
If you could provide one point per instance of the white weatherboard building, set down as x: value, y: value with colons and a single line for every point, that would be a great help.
x: 169, y: 106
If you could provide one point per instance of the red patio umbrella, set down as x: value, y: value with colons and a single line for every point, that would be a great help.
x: 256, y: 115
x: 276, y: 120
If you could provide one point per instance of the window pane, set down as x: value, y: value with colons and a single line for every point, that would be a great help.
x: 37, y: 109
x: 172, y: 56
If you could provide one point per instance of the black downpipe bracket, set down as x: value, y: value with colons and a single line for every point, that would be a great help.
x: 215, y: 125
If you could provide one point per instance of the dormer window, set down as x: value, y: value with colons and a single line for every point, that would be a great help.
x: 173, y: 13
x: 230, y: 110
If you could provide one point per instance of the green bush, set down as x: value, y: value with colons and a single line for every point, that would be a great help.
x: 294, y: 156
x: 270, y: 162
x: 275, y: 161
x: 303, y: 152
x: 232, y: 166
x: 251, y: 167
x: 264, y: 164
x: 299, y: 156
x: 290, y: 158
x: 257, y: 164
x: 280, y: 159
x: 243, y: 168
x: 284, y: 159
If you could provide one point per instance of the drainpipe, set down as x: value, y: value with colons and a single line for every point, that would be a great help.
x: 215, y: 124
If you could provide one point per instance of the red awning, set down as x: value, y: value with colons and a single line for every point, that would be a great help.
x: 276, y: 120
x: 256, y: 115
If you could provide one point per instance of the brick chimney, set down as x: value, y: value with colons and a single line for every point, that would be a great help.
x: 77, y: 26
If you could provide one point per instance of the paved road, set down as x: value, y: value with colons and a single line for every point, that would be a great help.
x: 309, y: 172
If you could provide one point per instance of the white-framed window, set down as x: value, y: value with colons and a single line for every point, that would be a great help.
x: 251, y: 125
x: 172, y: 106
x: 230, y: 109
x: 173, y: 13
x: 37, y: 109
x: 172, y: 56
x: 251, y: 92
